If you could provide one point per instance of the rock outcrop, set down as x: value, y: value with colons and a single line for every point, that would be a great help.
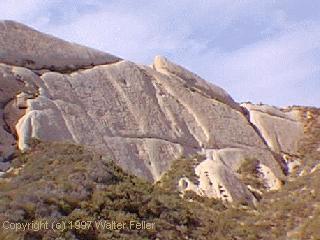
x: 13, y: 82
x: 25, y: 47
x: 142, y: 117
x: 282, y: 129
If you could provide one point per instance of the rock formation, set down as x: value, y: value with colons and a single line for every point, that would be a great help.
x: 26, y: 47
x: 280, y: 128
x: 142, y: 117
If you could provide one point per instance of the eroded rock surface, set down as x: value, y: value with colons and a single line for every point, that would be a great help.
x: 218, y: 175
x: 281, y: 129
x: 142, y: 117
x: 14, y: 82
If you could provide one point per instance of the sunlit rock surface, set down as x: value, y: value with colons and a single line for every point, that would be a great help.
x: 142, y: 117
x: 282, y: 130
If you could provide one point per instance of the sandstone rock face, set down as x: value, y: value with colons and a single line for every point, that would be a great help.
x: 142, y: 117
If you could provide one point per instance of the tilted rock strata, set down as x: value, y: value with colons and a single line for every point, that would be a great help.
x: 194, y: 82
x: 154, y: 116
x: 144, y: 138
x: 142, y: 117
x: 281, y: 130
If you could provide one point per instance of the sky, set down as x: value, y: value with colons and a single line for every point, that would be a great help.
x: 258, y: 50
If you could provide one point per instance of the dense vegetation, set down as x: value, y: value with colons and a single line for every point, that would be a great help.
x: 70, y: 183
x: 67, y: 182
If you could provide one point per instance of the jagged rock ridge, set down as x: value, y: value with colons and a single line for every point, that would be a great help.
x: 142, y: 117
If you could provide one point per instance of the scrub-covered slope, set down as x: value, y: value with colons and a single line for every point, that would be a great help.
x: 88, y: 107
x: 143, y: 117
x: 67, y: 183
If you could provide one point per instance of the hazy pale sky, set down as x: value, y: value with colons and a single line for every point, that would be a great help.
x: 260, y: 51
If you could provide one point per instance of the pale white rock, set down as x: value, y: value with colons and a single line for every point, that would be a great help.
x: 143, y: 118
x: 281, y: 130
x: 42, y: 120
x: 193, y: 81
x: 218, y: 181
x: 271, y: 181
x: 270, y: 110
x: 309, y: 115
x: 315, y: 168
x: 209, y: 115
x: 218, y: 177
x: 293, y: 114
x: 22, y: 100
x: 32, y: 82
x: 233, y: 158
x: 211, y: 183
x: 185, y: 184
x: 13, y: 81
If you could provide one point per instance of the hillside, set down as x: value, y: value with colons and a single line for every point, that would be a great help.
x: 69, y: 183
x: 88, y: 138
